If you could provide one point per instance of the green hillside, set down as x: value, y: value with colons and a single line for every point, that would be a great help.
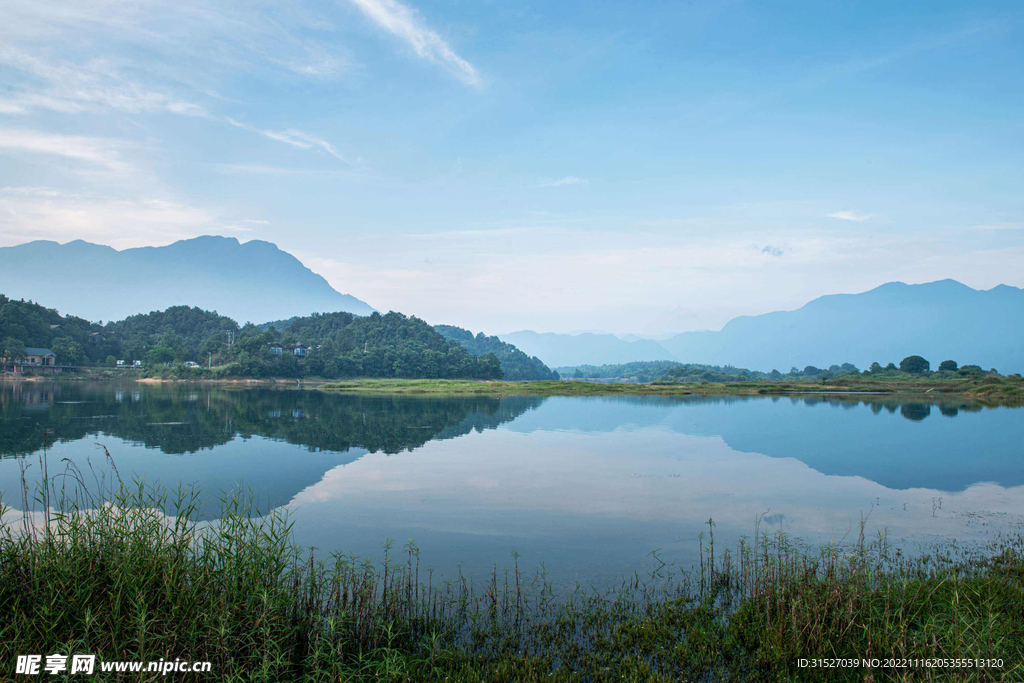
x: 329, y: 345
x: 515, y: 364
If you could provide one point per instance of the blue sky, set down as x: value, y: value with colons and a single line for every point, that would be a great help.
x: 633, y: 167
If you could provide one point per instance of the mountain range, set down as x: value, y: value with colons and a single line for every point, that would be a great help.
x: 255, y: 281
x: 938, y: 320
x: 252, y: 281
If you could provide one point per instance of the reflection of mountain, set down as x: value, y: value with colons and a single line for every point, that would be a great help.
x: 181, y: 419
x: 893, y: 442
x: 240, y: 426
x: 896, y: 443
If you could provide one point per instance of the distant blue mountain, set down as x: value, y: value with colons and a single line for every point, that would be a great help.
x: 254, y: 281
x: 584, y: 349
x: 938, y: 320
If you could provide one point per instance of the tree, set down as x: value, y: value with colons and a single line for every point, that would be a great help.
x: 14, y: 349
x: 69, y: 352
x: 875, y: 368
x: 949, y: 365
x: 914, y: 365
x: 490, y: 366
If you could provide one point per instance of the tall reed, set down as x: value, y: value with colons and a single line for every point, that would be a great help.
x: 132, y: 573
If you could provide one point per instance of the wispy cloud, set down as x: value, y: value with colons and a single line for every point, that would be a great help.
x: 567, y: 180
x: 1000, y: 226
x: 291, y: 136
x: 48, y: 213
x: 96, y: 84
x: 97, y: 151
x: 770, y: 250
x: 850, y: 216
x: 403, y: 22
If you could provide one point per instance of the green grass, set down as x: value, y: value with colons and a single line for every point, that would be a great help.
x: 114, y: 576
x: 1002, y: 390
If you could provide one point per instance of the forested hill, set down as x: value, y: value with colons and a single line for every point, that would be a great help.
x: 336, y: 345
x: 514, y: 363
x: 23, y: 323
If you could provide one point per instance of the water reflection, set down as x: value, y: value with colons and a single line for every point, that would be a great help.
x: 179, y: 419
x: 228, y: 434
x: 587, y: 484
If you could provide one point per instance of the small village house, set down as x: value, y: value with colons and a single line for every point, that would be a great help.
x: 39, y: 356
x: 300, y: 350
x: 34, y: 358
x: 276, y: 349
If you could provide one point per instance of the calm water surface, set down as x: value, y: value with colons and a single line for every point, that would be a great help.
x: 588, y: 486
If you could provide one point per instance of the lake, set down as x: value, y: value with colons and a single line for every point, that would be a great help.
x: 589, y: 486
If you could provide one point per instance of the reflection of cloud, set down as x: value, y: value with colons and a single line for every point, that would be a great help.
x: 668, y: 477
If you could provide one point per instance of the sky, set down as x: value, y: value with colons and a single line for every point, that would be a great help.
x: 642, y: 167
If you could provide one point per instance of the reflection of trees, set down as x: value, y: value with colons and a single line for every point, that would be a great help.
x: 915, y: 411
x: 187, y: 418
x: 912, y: 409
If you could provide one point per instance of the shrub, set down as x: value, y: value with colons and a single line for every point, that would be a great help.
x: 915, y: 365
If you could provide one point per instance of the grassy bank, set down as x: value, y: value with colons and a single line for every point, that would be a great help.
x: 1007, y: 390
x: 1004, y: 389
x: 115, y: 577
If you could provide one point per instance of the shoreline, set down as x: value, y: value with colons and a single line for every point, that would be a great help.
x: 1006, y: 391
x: 751, y: 612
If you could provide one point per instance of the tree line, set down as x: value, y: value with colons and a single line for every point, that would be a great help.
x: 673, y: 371
x: 337, y: 345
x: 515, y: 364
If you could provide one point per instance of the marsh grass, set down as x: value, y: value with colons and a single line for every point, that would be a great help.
x: 117, y: 575
x: 987, y: 390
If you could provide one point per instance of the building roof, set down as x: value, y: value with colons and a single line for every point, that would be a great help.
x: 37, y: 351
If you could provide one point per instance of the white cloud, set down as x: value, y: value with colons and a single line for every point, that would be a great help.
x: 567, y: 180
x: 97, y: 151
x: 403, y: 22
x: 291, y: 136
x: 1000, y: 226
x: 850, y: 216
x: 583, y: 278
x: 76, y: 87
x: 28, y: 213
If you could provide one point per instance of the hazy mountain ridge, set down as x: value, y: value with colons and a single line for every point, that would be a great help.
x: 515, y: 364
x: 938, y: 320
x: 584, y: 349
x: 252, y: 281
